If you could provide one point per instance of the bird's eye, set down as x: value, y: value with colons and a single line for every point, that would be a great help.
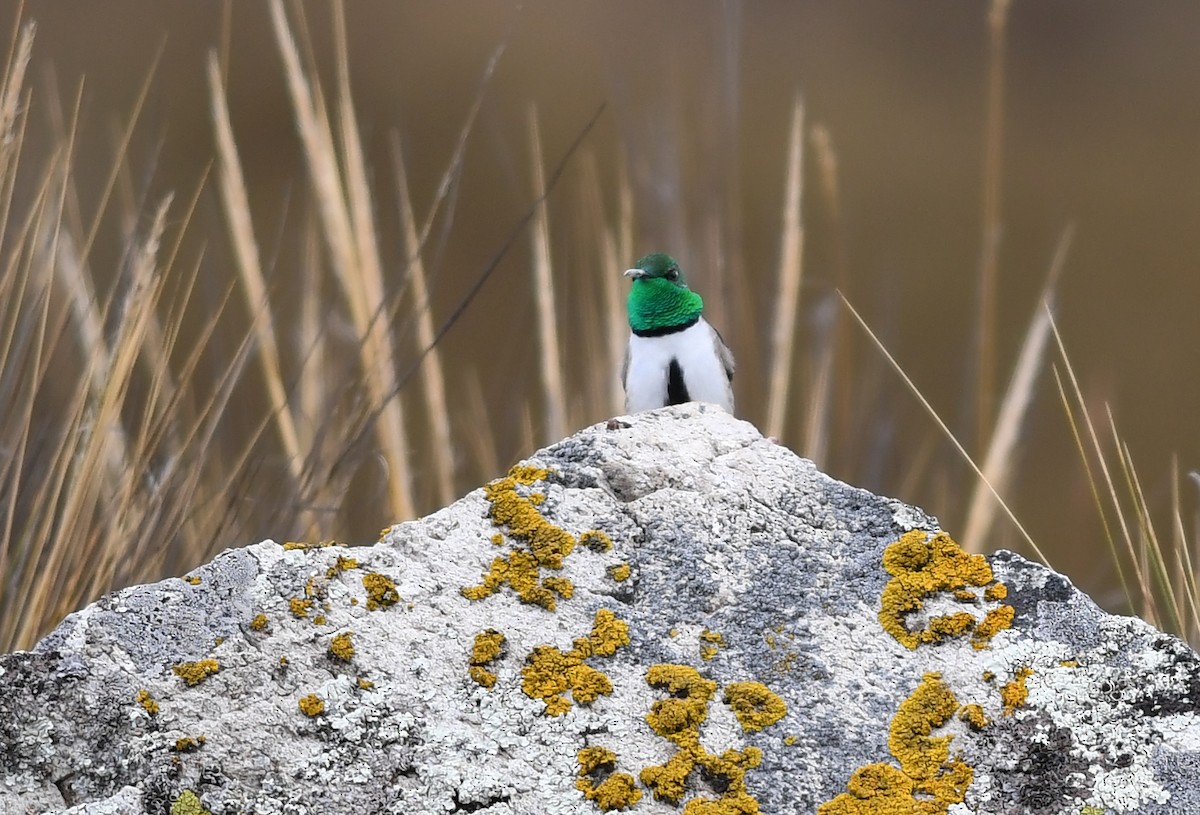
x: 673, y: 274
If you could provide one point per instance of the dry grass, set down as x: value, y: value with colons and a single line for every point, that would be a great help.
x: 829, y: 400
x: 236, y: 205
x: 941, y: 424
x: 437, y: 412
x: 989, y: 262
x: 1162, y: 588
x: 999, y: 463
x: 154, y: 417
x: 549, y: 363
x: 343, y: 202
x: 84, y: 470
x: 783, y: 337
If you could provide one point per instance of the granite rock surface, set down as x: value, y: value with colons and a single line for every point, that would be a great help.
x: 665, y: 613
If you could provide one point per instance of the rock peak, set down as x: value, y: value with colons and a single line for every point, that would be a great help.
x: 665, y: 613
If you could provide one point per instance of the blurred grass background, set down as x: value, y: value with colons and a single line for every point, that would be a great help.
x: 230, y: 233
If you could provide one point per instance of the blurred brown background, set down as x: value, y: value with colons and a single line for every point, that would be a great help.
x: 1101, y: 130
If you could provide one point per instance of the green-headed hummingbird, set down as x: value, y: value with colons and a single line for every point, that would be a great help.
x: 674, y: 355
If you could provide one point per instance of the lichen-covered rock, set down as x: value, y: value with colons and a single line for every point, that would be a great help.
x: 665, y: 613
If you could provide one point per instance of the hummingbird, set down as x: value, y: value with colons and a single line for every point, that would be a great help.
x: 674, y: 355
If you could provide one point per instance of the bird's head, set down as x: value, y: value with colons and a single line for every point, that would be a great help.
x: 660, y: 298
x: 655, y: 267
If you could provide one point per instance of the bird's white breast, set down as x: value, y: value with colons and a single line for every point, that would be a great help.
x: 694, y: 349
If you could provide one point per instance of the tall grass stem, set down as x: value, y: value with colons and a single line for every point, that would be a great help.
x: 791, y: 270
x: 553, y: 394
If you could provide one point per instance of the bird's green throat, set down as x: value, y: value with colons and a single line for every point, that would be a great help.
x: 660, y: 306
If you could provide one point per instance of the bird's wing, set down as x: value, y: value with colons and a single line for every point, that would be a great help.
x: 723, y: 353
x: 625, y: 368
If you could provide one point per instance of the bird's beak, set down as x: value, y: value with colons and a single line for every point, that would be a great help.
x: 635, y: 273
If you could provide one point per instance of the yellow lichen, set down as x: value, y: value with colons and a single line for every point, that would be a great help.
x: 965, y: 596
x: 988, y: 676
x: 381, y: 590
x: 619, y: 573
x: 1069, y: 663
x: 188, y: 803
x: 608, y: 633
x: 311, y: 705
x: 147, y: 702
x: 510, y: 509
x: 922, y: 755
x: 299, y: 606
x: 193, y: 579
x: 922, y: 567
x: 687, y: 707
x: 754, y: 705
x: 995, y: 592
x: 547, y: 544
x: 787, y: 663
x: 340, y: 647
x: 790, y: 740
x: 187, y: 744
x: 995, y: 621
x: 488, y: 647
x: 1014, y: 694
x: 193, y: 673
x: 950, y: 625
x: 561, y: 586
x: 731, y: 767
x: 678, y: 719
x: 340, y: 565
x: 616, y: 791
x: 319, y: 619
x: 365, y: 684
x: 713, y: 641
x: 520, y: 571
x: 259, y: 622
x: 596, y: 540
x: 482, y: 676
x: 594, y: 758
x: 974, y: 716
x: 928, y: 780
x: 667, y: 781
x: 550, y: 673
x: 306, y: 545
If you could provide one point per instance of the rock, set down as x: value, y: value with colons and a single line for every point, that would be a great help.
x: 667, y: 612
